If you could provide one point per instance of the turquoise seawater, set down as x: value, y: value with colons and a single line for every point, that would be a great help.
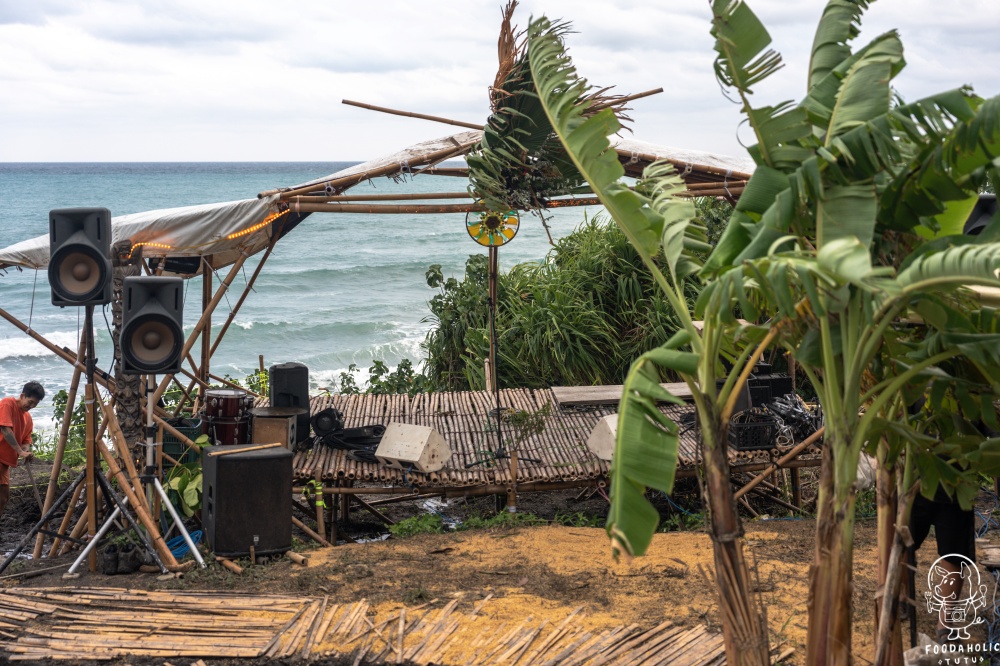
x: 339, y: 289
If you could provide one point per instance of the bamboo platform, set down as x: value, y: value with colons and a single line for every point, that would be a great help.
x: 463, y: 420
x: 101, y: 624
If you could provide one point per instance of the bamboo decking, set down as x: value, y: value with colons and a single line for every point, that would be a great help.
x: 84, y: 624
x: 463, y: 420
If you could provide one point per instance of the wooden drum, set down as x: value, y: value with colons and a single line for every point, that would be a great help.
x: 226, y: 419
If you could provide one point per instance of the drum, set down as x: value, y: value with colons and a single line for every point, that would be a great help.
x: 227, y: 416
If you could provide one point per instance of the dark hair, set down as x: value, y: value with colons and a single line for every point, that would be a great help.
x: 33, y: 390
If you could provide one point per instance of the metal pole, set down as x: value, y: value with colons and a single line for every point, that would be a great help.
x: 93, y: 542
x: 177, y: 521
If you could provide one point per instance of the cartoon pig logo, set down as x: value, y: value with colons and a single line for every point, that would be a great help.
x: 956, y: 610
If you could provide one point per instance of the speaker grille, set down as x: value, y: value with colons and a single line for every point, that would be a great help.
x: 152, y: 343
x: 80, y: 273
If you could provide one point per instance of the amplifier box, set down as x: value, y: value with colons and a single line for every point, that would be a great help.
x: 247, y: 500
x: 406, y: 446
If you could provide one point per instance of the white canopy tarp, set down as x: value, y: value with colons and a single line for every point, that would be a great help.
x: 226, y: 230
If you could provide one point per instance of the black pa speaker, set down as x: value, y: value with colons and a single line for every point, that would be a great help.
x: 152, y: 325
x: 247, y: 501
x: 327, y: 421
x: 288, y: 386
x: 80, y: 256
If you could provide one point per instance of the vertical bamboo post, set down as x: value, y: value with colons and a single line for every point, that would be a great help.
x: 91, y: 485
x: 320, y: 503
x: 206, y: 334
x: 261, y: 359
x: 50, y: 493
x: 796, y: 487
x: 205, y: 317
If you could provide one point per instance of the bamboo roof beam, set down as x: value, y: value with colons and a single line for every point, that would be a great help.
x: 429, y: 196
x: 625, y: 156
x: 625, y: 99
x: 422, y: 209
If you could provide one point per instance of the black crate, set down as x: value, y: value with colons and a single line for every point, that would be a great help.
x: 761, y: 434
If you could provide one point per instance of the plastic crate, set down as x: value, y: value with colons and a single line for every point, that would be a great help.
x: 175, y: 448
x: 759, y: 434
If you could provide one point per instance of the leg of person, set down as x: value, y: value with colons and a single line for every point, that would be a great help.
x: 955, y: 529
x: 4, y: 486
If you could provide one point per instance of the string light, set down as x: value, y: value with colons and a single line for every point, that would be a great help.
x: 268, y: 220
x: 149, y: 244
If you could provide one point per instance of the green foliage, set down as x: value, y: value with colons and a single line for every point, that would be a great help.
x: 382, y: 381
x: 44, y: 446
x: 578, y: 519
x: 259, y: 381
x: 682, y: 522
x: 578, y: 318
x: 501, y: 520
x: 425, y: 523
x: 185, y: 481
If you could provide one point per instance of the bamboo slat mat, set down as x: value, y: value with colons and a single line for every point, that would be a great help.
x: 111, y: 623
x: 462, y: 419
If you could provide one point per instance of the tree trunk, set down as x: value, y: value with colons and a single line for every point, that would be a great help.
x: 128, y: 392
x: 830, y: 588
x: 744, y: 622
x: 888, y: 639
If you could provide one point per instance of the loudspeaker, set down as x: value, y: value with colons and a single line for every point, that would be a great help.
x: 289, y: 387
x: 80, y: 256
x: 152, y: 335
x: 327, y: 421
x: 247, y: 500
x: 602, y: 438
x: 406, y: 446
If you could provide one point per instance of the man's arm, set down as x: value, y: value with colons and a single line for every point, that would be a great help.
x: 8, y: 436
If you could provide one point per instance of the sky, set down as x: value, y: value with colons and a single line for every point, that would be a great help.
x: 221, y: 80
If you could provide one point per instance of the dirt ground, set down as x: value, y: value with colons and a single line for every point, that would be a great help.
x: 543, y: 571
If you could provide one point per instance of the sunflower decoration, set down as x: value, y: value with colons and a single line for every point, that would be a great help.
x: 492, y: 228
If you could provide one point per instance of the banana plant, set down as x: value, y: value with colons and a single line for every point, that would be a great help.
x: 662, y: 228
x: 839, y: 235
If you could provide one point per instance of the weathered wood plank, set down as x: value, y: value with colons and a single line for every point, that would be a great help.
x: 567, y: 396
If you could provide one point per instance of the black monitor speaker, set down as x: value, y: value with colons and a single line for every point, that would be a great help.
x: 80, y: 256
x: 288, y: 386
x: 327, y: 421
x: 247, y: 501
x: 152, y: 335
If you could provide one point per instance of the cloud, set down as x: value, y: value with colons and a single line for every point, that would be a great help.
x: 252, y: 80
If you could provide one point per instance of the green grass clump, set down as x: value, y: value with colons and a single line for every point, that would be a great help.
x: 428, y: 523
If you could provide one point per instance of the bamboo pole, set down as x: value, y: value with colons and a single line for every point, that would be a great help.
x: 205, y: 317
x: 228, y: 450
x: 206, y: 331
x: 67, y: 517
x: 429, y: 196
x: 648, y: 157
x: 625, y: 99
x: 138, y: 507
x: 347, y: 181
x: 411, y: 114
x: 246, y: 292
x: 298, y: 559
x: 426, y: 209
x: 50, y: 492
x: 90, y: 468
x: 229, y: 564
x: 186, y: 441
x: 791, y: 455
x: 455, y: 172
x: 308, y: 530
x: 124, y: 453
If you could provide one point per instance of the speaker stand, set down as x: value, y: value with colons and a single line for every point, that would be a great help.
x: 151, y: 478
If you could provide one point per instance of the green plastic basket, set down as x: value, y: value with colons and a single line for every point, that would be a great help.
x: 175, y: 448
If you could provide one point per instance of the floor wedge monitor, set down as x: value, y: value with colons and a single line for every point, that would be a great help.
x: 79, y: 256
x: 246, y: 499
x: 152, y: 325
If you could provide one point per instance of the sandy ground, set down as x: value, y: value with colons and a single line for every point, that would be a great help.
x: 547, y: 572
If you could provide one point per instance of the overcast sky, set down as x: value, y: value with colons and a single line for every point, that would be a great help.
x: 221, y: 80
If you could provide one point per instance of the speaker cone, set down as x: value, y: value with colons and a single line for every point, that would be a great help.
x: 151, y: 343
x: 327, y: 421
x: 79, y: 273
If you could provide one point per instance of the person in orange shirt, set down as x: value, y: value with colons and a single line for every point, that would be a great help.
x: 15, y: 431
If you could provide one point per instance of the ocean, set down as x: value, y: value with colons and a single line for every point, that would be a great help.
x: 338, y: 290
